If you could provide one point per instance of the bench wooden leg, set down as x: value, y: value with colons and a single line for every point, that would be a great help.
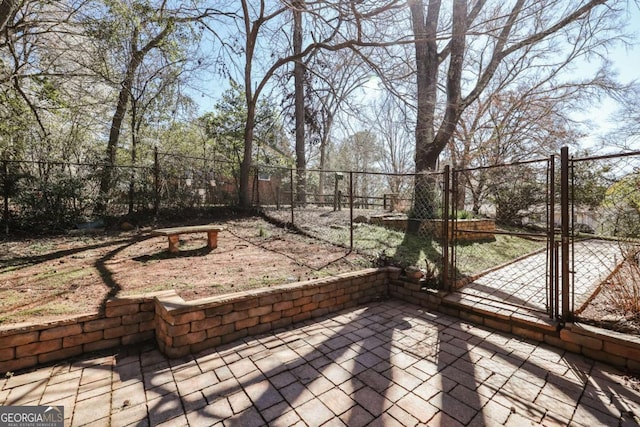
x: 212, y: 239
x: 174, y: 240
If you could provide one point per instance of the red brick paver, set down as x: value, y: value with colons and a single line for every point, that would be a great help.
x: 386, y: 364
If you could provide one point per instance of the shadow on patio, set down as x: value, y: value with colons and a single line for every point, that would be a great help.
x: 386, y: 363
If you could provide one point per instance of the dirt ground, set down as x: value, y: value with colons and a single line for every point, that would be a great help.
x: 48, y: 278
x: 43, y: 279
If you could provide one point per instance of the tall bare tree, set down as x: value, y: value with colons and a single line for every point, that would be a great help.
x: 338, y: 26
x: 497, y: 34
x: 626, y: 133
x: 298, y: 83
x: 144, y: 28
x: 390, y: 120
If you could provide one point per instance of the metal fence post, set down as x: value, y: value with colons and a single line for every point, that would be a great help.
x: 5, y: 186
x: 565, y: 231
x: 551, y: 241
x: 351, y: 210
x: 257, y: 182
x: 445, y: 227
x: 156, y: 182
x: 292, y: 195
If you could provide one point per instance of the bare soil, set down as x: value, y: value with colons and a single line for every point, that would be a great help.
x: 47, y: 278
x: 43, y: 279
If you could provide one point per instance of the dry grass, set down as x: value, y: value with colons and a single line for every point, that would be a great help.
x: 617, y: 304
x: 622, y: 290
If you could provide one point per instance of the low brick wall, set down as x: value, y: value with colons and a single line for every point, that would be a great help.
x: 468, y: 229
x: 188, y: 327
x: 125, y: 321
x: 620, y: 350
x: 181, y: 327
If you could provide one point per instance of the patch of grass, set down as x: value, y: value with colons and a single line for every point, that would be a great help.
x: 403, y: 248
x: 255, y: 282
x: 41, y: 247
x: 52, y: 308
x: 10, y: 268
x: 479, y: 256
x: 264, y: 233
x: 406, y: 249
x: 60, y: 277
x: 462, y: 214
x: 11, y: 298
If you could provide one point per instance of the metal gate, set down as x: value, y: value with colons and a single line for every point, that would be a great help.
x: 524, y: 199
x: 546, y: 201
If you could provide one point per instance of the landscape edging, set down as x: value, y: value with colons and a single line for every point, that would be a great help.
x: 182, y: 327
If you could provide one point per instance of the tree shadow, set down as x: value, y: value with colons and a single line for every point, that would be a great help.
x: 27, y: 261
x: 382, y: 362
x: 107, y: 275
x: 165, y: 254
x: 418, y: 246
x: 498, y: 295
x: 318, y: 380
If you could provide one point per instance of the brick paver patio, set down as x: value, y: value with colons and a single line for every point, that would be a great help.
x: 386, y: 363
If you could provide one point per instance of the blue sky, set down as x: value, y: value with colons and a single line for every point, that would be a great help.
x: 602, y: 116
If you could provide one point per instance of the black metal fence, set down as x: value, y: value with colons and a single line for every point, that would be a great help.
x: 364, y: 211
x: 555, y: 205
x: 56, y: 195
x: 605, y: 224
x: 560, y: 207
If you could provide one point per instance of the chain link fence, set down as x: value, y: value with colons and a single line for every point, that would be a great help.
x: 499, y: 213
x: 606, y: 196
x: 475, y: 218
x: 61, y: 195
x: 372, y: 213
x: 605, y: 216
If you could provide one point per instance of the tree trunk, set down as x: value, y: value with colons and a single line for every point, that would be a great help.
x: 137, y: 56
x: 429, y: 144
x: 7, y: 9
x: 324, y: 141
x: 134, y: 159
x: 106, y: 179
x: 245, y: 165
x: 298, y: 76
x: 426, y: 80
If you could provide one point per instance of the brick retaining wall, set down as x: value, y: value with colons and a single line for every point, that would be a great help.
x: 188, y: 327
x: 467, y: 229
x: 182, y: 327
x: 125, y: 321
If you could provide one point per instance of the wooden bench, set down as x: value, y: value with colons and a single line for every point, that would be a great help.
x: 174, y: 234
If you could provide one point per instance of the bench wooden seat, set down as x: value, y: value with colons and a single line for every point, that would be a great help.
x: 174, y: 234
